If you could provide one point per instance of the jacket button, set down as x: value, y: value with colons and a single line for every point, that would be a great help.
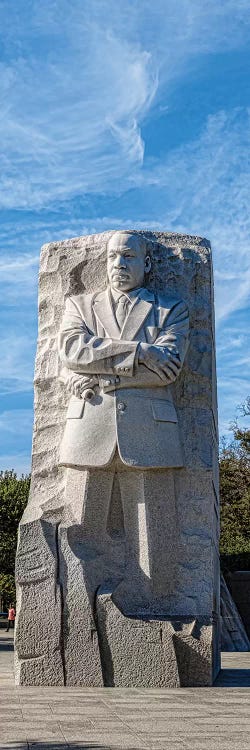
x: 121, y: 406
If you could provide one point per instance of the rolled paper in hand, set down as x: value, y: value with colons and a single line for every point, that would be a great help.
x: 87, y: 394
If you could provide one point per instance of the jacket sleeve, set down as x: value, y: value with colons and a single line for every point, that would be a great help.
x: 172, y: 341
x: 169, y: 348
x: 88, y: 354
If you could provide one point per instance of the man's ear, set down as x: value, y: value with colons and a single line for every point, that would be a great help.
x: 148, y: 264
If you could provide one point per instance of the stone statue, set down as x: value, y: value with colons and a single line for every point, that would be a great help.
x: 122, y: 349
x: 118, y: 544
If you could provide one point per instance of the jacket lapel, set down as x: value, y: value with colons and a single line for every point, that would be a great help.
x: 104, y: 312
x: 138, y: 313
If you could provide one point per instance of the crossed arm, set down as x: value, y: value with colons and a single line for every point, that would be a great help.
x: 92, y: 360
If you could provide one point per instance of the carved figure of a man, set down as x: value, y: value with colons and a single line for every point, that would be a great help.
x: 122, y: 349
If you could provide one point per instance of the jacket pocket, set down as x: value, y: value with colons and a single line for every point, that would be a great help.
x: 163, y: 411
x: 75, y: 408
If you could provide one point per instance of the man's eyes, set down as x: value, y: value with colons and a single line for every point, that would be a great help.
x: 125, y: 255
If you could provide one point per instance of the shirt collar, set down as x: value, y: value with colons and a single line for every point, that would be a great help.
x: 131, y: 295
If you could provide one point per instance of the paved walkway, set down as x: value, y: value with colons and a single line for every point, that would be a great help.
x: 215, y: 718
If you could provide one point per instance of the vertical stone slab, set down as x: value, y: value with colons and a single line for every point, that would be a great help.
x: 53, y: 564
x: 38, y: 643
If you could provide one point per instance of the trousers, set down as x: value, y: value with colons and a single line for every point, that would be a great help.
x: 11, y: 624
x: 126, y: 531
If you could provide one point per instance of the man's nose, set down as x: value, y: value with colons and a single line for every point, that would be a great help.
x: 120, y: 262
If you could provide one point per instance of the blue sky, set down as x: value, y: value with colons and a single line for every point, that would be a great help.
x: 118, y: 113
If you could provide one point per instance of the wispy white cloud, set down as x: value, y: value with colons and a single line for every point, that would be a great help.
x: 71, y: 124
x: 21, y: 269
x: 234, y: 340
x: 76, y: 87
x: 17, y: 360
x: 205, y: 184
x: 16, y: 421
x: 16, y: 431
x: 18, y: 290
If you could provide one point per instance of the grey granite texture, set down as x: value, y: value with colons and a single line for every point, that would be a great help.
x: 166, y: 564
x: 155, y: 653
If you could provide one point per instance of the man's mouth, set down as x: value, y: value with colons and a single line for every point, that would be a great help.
x: 120, y: 276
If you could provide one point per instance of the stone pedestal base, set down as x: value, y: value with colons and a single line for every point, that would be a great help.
x: 154, y: 653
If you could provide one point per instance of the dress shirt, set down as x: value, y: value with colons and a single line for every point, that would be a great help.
x: 122, y: 302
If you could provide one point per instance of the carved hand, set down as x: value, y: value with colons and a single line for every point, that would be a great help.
x: 77, y: 384
x: 159, y: 359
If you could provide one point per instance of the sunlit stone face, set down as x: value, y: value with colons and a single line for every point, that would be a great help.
x: 126, y: 261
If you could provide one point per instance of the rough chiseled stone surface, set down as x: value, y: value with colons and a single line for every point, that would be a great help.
x: 60, y: 633
x: 155, y: 653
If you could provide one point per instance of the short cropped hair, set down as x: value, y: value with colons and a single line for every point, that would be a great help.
x: 144, y: 242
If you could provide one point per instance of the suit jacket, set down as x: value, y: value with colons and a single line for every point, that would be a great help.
x: 132, y: 408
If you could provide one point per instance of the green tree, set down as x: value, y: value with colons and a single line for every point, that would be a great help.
x: 13, y: 499
x: 235, y: 497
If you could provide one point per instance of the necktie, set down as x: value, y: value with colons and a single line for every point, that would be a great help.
x: 122, y: 310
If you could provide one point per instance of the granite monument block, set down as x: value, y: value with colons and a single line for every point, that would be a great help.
x: 117, y: 562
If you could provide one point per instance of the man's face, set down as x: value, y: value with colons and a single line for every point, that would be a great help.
x: 126, y: 262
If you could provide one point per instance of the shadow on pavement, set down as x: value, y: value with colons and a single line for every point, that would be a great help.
x: 6, y: 643
x: 56, y: 746
x: 233, y: 678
